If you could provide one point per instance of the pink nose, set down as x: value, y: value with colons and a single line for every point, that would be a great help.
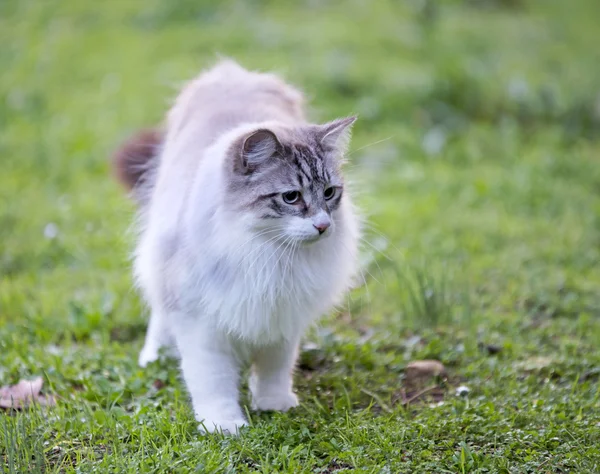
x: 322, y: 226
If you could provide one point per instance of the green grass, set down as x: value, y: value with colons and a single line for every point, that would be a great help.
x: 476, y: 158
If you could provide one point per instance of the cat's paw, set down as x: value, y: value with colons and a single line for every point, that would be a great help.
x: 147, y: 355
x: 151, y: 354
x: 275, y: 401
x: 228, y: 427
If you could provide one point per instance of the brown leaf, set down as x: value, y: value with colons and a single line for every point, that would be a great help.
x: 423, y: 369
x: 24, y: 394
x: 421, y: 382
x: 535, y: 364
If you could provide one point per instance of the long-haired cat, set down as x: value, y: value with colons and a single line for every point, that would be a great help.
x: 247, y: 234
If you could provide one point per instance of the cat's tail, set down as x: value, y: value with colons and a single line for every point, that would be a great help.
x: 135, y: 161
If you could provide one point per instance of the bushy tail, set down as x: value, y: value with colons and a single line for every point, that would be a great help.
x: 135, y: 160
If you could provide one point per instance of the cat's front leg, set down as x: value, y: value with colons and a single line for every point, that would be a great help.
x: 158, y: 335
x: 211, y: 372
x: 271, y: 378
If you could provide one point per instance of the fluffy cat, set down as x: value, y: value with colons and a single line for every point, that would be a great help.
x: 247, y: 234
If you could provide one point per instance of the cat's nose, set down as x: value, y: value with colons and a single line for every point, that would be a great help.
x: 321, y: 222
x: 322, y: 227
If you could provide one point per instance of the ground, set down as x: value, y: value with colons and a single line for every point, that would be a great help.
x: 475, y: 160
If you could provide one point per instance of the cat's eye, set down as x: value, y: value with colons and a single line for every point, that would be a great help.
x: 291, y: 197
x: 329, y: 193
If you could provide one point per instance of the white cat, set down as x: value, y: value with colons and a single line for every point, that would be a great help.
x: 247, y: 235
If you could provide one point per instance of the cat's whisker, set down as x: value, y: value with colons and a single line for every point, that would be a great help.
x: 256, y: 252
x: 261, y: 233
x: 374, y: 229
x: 263, y: 248
x: 370, y: 144
x: 292, y: 254
x: 271, y: 256
x: 289, y: 241
x: 375, y: 259
x: 362, y: 274
x: 289, y: 260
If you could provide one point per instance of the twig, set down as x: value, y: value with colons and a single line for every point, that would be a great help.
x: 377, y: 398
x: 419, y: 394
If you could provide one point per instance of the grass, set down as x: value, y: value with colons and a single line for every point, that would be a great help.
x: 475, y: 158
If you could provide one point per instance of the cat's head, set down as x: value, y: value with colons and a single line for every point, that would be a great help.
x: 287, y: 183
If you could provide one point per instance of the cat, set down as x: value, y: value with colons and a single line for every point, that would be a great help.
x: 247, y: 234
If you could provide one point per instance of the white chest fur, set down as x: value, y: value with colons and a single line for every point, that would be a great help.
x: 265, y: 291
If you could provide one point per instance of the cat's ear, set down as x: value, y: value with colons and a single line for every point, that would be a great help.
x: 257, y: 148
x: 335, y: 135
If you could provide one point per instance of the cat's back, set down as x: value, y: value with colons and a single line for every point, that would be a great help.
x: 228, y: 96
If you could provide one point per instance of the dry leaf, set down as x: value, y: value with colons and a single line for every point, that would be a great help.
x: 421, y: 381
x: 420, y: 369
x: 535, y: 364
x: 24, y: 394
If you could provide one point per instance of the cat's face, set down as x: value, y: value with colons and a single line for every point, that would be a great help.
x: 288, y: 186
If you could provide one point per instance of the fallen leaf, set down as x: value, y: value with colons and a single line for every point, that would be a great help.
x: 23, y: 394
x: 535, y: 364
x: 421, y: 381
x: 422, y: 369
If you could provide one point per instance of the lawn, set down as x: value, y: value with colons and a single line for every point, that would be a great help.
x: 476, y: 160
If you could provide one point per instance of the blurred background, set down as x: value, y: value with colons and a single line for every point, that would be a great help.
x: 478, y: 118
x: 476, y: 146
x: 475, y: 159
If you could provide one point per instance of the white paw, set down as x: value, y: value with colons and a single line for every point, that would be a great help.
x: 147, y: 355
x: 228, y: 427
x: 275, y: 401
